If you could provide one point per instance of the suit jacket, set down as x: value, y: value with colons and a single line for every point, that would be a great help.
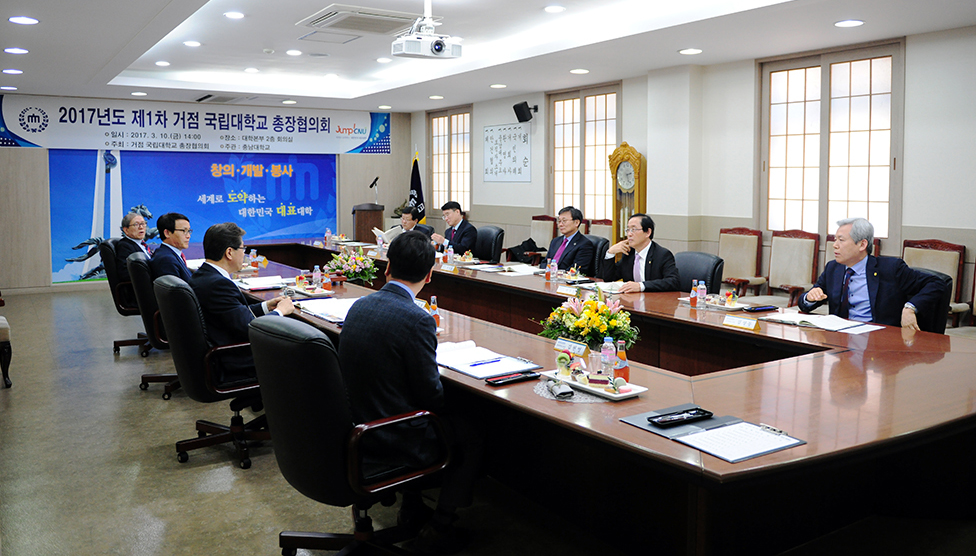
x: 387, y: 355
x: 578, y: 253
x: 124, y: 247
x: 660, y: 272
x: 891, y: 283
x: 165, y: 262
x: 464, y: 239
x: 225, y: 309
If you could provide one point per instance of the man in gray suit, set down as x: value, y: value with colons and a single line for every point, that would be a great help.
x: 387, y: 354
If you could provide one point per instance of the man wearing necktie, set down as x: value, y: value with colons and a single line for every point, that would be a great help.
x: 570, y: 248
x: 460, y: 234
x: 859, y: 286
x: 645, y: 266
x: 133, y: 239
x: 168, y: 260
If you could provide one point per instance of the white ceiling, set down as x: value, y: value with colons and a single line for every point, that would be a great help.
x: 108, y: 48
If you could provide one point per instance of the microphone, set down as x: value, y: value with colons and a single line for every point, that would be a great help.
x: 376, y: 179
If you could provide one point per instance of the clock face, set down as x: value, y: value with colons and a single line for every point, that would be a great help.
x: 625, y: 176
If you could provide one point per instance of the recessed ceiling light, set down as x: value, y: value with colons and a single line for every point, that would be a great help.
x: 436, y: 97
x: 289, y: 101
x: 233, y: 15
x: 162, y: 63
x: 15, y: 50
x: 849, y: 23
x: 554, y: 9
x: 384, y: 60
x: 23, y: 20
x: 293, y: 52
x: 384, y: 107
x: 251, y: 70
x: 192, y: 44
x: 138, y: 94
x: 12, y: 71
x: 580, y: 71
x: 8, y: 88
x: 690, y: 51
x: 498, y: 86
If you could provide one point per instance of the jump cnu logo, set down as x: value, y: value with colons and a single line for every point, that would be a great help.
x: 33, y: 120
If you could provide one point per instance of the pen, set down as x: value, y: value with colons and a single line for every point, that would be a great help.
x: 485, y: 362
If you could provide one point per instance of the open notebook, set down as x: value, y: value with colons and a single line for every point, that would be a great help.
x: 479, y: 362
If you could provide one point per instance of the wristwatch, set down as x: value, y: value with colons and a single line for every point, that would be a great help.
x: 912, y: 307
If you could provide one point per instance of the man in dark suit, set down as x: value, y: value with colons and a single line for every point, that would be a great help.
x: 571, y: 248
x: 387, y: 354
x: 859, y: 286
x: 133, y: 239
x: 460, y: 234
x: 168, y: 260
x: 225, y: 310
x: 652, y: 271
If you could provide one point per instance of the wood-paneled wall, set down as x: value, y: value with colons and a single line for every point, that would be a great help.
x: 25, y: 219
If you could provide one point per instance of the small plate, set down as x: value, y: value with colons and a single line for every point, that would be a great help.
x: 634, y: 389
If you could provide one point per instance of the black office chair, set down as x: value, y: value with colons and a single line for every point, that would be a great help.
x: 316, y: 445
x: 198, y: 367
x: 929, y: 318
x: 141, y: 276
x: 600, y: 246
x: 488, y: 246
x: 122, y: 294
x: 427, y: 230
x: 695, y: 265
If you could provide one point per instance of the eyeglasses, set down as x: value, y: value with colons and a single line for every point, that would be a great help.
x: 186, y: 231
x: 137, y: 225
x: 241, y: 248
x: 564, y: 220
x: 634, y: 230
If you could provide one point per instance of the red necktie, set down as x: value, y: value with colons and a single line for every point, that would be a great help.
x: 452, y: 235
x: 184, y: 258
x: 146, y: 247
x: 845, y: 302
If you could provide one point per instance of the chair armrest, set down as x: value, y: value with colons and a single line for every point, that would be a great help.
x: 125, y: 286
x: 355, y: 460
x: 157, y: 327
x: 794, y: 291
x: 217, y: 351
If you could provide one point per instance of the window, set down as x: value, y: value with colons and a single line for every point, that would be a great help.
x: 584, y: 133
x: 831, y: 138
x: 450, y: 148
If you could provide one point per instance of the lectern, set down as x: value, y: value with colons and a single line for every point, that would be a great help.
x: 365, y: 217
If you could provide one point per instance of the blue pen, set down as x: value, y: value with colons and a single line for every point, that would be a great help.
x: 485, y: 362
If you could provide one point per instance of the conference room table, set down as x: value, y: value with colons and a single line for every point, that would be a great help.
x: 888, y: 419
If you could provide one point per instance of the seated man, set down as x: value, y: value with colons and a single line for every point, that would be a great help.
x: 572, y: 248
x: 460, y: 234
x: 645, y: 265
x: 387, y: 355
x: 225, y: 310
x: 859, y: 286
x: 409, y: 219
x: 168, y: 260
x: 133, y: 239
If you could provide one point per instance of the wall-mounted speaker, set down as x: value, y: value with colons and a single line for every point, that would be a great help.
x: 523, y: 112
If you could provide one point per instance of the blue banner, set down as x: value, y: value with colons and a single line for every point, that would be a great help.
x: 271, y: 196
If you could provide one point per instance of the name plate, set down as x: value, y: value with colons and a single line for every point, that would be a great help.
x: 745, y: 323
x: 578, y: 349
x: 571, y: 291
x: 316, y: 243
x: 449, y: 268
x: 373, y: 253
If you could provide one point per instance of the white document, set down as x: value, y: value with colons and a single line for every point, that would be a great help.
x: 608, y: 287
x: 738, y: 442
x: 262, y: 283
x: 194, y: 264
x: 825, y: 322
x: 479, y: 362
x: 332, y: 310
x: 388, y: 235
x: 518, y: 269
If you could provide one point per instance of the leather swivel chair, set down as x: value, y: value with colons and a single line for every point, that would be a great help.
x: 142, y: 285
x: 695, y: 265
x: 197, y: 364
x: 600, y: 246
x: 931, y: 319
x: 122, y: 294
x: 488, y: 245
x: 316, y: 444
x: 425, y: 229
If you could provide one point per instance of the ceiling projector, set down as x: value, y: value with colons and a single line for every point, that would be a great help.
x: 422, y: 45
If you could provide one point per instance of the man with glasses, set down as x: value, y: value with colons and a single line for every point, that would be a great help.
x: 571, y: 248
x: 460, y: 234
x: 168, y: 260
x: 133, y: 240
x: 226, y: 312
x: 645, y: 265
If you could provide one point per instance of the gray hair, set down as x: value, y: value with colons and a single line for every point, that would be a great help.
x: 860, y: 229
x: 128, y: 218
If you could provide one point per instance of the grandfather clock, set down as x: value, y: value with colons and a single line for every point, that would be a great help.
x: 628, y: 168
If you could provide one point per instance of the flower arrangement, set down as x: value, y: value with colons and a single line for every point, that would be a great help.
x: 353, y: 265
x: 590, y: 321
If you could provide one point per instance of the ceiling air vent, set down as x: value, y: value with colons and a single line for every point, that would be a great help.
x: 370, y: 21
x: 215, y: 99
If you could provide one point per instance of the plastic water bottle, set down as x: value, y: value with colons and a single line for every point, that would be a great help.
x: 450, y: 255
x: 317, y: 276
x: 608, y: 356
x: 328, y: 235
x: 693, y: 296
x: 702, y: 291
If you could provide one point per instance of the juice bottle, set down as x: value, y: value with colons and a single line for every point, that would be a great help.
x: 622, y: 368
x: 693, y: 296
x: 433, y: 310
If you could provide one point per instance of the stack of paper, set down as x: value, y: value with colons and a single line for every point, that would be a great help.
x: 261, y: 283
x: 332, y: 310
x: 467, y: 358
x: 608, y: 287
x: 826, y: 322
